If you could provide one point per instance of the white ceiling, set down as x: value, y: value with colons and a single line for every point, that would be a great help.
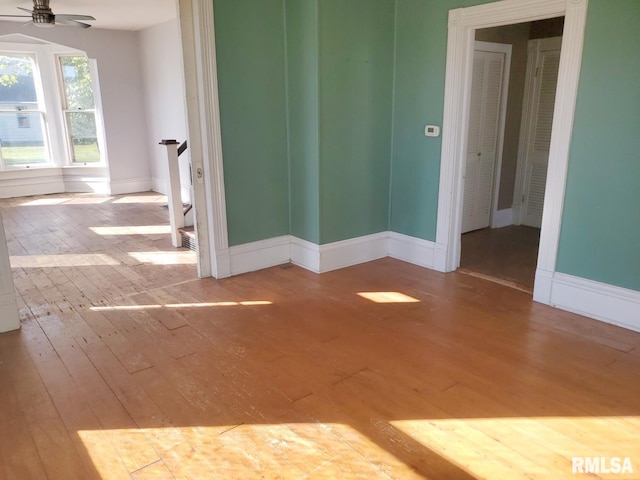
x: 109, y: 14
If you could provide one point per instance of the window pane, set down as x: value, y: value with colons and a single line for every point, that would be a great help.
x: 22, y: 138
x: 77, y: 83
x: 84, y: 140
x: 17, y: 86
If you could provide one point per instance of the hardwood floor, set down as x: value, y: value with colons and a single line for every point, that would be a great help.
x: 508, y: 255
x: 127, y: 366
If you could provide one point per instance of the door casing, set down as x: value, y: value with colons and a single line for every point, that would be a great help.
x: 463, y: 23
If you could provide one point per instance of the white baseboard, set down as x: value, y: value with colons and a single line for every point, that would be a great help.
x: 502, y: 218
x: 411, y: 249
x: 350, y: 252
x: 440, y: 257
x: 305, y: 254
x: 332, y: 256
x: 8, y: 313
x: 159, y: 185
x: 317, y: 258
x: 87, y: 185
x: 607, y: 303
x: 27, y: 182
x: 130, y: 185
x: 258, y: 255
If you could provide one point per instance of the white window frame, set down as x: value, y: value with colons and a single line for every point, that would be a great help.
x: 42, y: 110
x: 48, y: 88
x: 97, y: 110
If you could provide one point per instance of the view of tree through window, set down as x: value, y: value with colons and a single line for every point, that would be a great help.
x: 22, y: 137
x: 79, y: 109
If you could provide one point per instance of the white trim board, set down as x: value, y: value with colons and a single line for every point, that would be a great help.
x: 253, y: 256
x: 463, y: 23
x: 502, y: 218
x: 353, y: 251
x: 332, y: 256
x: 411, y: 249
x: 37, y: 186
x: 607, y: 303
x: 8, y: 313
x: 205, y: 139
x: 159, y: 185
x: 130, y: 185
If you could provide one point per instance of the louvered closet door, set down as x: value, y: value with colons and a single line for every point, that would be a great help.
x: 540, y: 122
x: 482, y: 146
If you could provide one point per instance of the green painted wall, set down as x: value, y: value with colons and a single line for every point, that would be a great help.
x: 304, y: 154
x: 251, y: 65
x: 601, y: 217
x: 356, y: 86
x: 357, y: 80
x: 421, y: 48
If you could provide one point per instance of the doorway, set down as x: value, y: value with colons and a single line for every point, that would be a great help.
x: 510, y: 126
x: 463, y: 24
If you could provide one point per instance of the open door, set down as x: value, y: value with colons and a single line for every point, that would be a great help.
x: 486, y: 130
x: 537, y: 122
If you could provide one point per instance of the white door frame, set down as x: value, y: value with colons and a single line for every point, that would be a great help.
x: 205, y: 138
x: 463, y: 23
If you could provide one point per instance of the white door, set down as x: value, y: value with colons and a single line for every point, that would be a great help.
x: 486, y: 127
x: 540, y: 95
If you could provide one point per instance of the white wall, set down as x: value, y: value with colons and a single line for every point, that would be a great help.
x: 121, y: 82
x: 163, y: 77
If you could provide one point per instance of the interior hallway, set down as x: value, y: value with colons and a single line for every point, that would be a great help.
x: 508, y: 255
x: 127, y: 366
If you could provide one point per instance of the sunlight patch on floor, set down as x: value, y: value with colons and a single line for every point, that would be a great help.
x: 285, y: 450
x: 44, y: 201
x: 249, y: 303
x: 132, y: 230
x: 165, y: 258
x: 388, y: 297
x: 511, y: 447
x: 62, y: 260
x: 142, y: 199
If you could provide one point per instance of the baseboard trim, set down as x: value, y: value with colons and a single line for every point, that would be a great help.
x: 502, y: 218
x: 411, y: 249
x: 37, y: 181
x: 353, y: 251
x: 130, y: 185
x: 607, y: 303
x: 253, y: 256
x: 159, y: 185
x: 305, y: 254
x: 8, y: 313
x: 87, y: 185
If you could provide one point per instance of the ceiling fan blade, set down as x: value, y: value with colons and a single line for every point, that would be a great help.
x: 71, y: 23
x: 25, y: 10
x: 16, y: 16
x: 65, y: 16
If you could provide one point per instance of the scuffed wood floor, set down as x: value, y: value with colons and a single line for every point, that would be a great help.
x: 127, y: 366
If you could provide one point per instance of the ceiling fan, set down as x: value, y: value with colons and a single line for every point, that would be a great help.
x: 42, y: 16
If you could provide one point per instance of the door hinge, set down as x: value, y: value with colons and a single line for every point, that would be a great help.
x: 522, y: 198
x: 537, y: 71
